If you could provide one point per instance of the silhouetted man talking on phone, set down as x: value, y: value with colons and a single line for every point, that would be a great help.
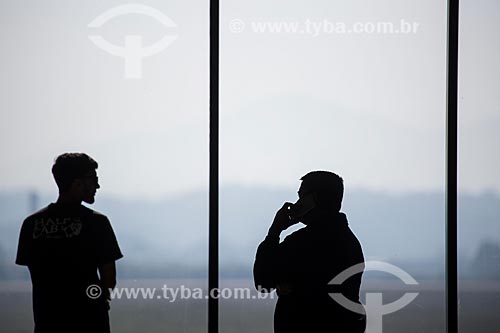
x: 302, y: 265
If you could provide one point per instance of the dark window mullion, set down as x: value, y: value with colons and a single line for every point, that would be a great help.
x: 213, y: 229
x: 451, y: 172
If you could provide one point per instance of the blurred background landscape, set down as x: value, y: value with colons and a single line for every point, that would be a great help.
x: 156, y: 243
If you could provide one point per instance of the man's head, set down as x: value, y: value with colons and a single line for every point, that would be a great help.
x: 327, y: 188
x: 75, y: 175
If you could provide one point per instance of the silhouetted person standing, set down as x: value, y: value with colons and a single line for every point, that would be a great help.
x: 302, y: 265
x: 67, y: 248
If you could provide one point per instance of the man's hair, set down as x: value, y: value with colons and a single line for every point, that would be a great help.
x: 70, y: 166
x: 328, y: 186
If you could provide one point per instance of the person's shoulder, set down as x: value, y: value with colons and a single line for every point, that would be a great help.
x: 94, y: 214
x: 38, y: 214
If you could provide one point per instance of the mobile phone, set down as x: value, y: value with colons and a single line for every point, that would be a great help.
x: 303, y: 206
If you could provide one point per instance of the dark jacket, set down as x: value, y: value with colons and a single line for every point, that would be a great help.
x: 301, y: 268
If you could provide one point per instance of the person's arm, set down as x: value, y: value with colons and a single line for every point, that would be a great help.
x: 269, y: 259
x: 264, y: 269
x: 107, y: 252
x: 25, y: 245
x: 107, y: 274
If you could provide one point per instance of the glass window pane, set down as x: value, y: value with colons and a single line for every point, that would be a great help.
x: 479, y: 181
x: 128, y: 84
x: 327, y: 85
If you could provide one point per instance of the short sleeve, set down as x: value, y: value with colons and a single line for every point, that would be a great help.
x: 107, y: 249
x: 25, y: 245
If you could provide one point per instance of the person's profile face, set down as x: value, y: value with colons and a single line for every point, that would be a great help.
x: 303, y: 191
x: 90, y: 184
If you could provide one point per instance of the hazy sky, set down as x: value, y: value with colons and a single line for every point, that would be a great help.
x: 369, y: 106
